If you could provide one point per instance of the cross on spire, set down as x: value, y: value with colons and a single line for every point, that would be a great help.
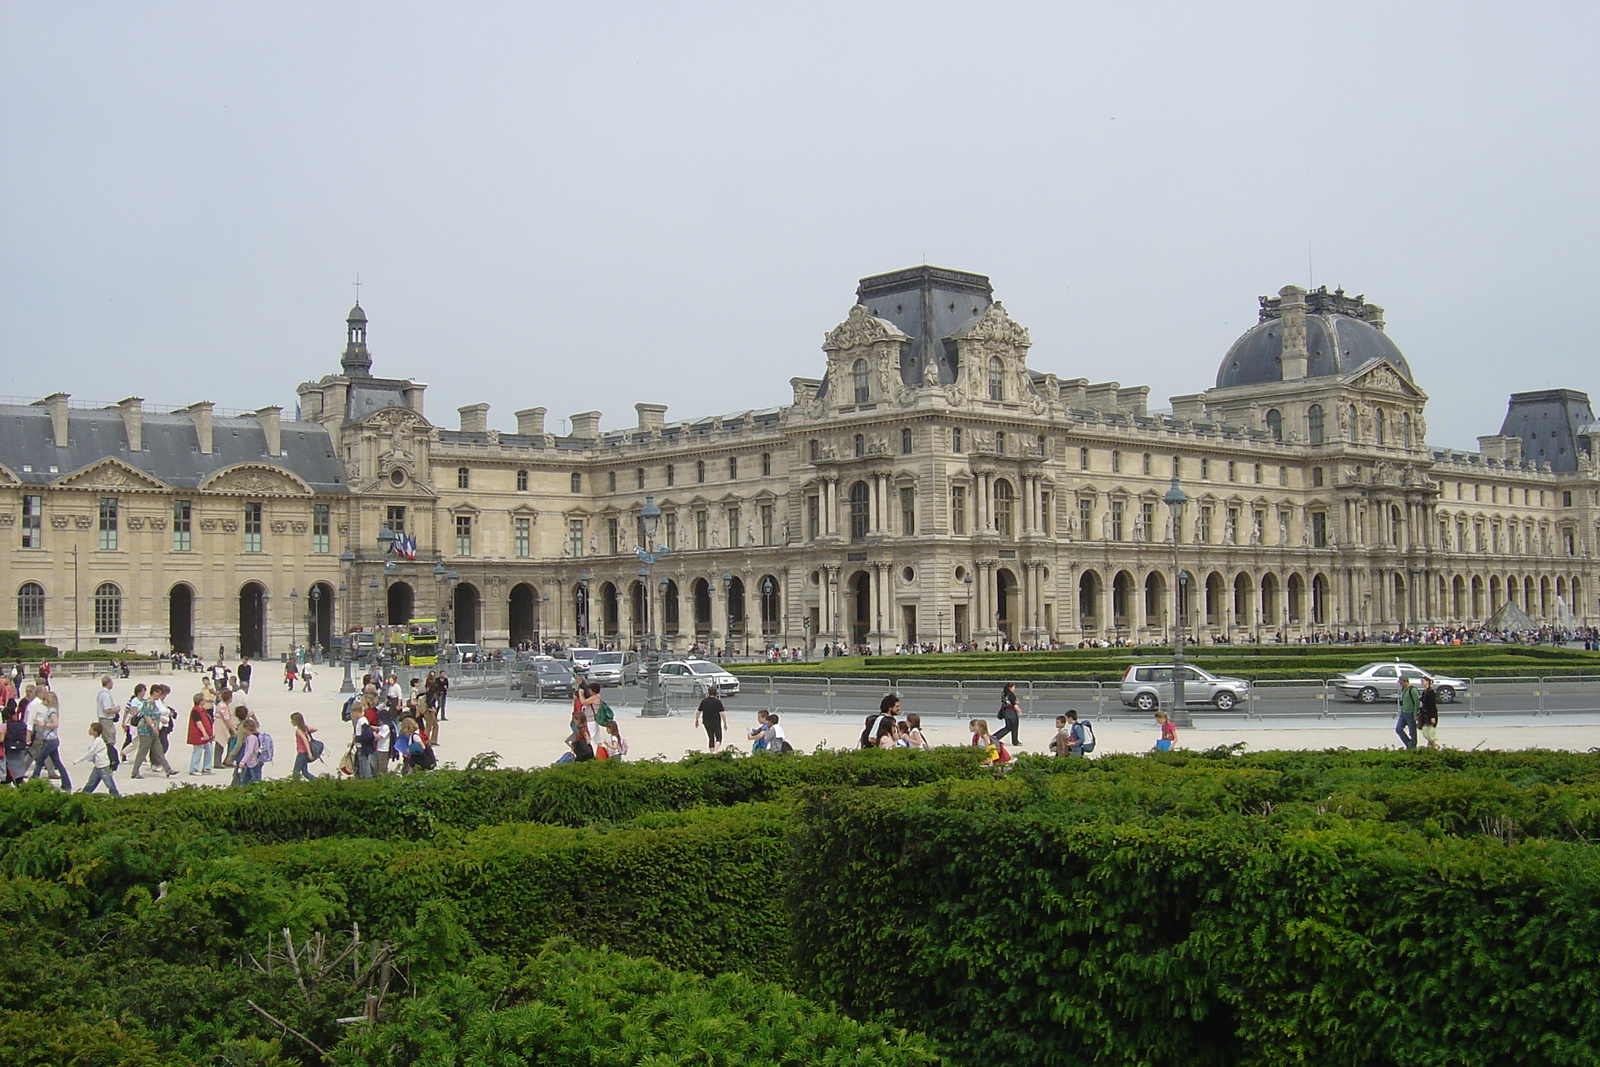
x: 357, y: 284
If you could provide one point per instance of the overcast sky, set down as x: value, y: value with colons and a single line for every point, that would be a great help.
x: 588, y: 205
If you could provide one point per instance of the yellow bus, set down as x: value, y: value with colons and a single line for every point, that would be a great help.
x: 413, y: 644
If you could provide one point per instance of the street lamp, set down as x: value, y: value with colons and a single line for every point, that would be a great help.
x: 294, y: 603
x: 727, y: 610
x: 583, y: 607
x: 347, y: 560
x: 1176, y: 498
x: 655, y: 705
x: 314, y: 602
x: 769, y: 620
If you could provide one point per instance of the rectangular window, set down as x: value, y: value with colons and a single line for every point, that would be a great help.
x: 766, y: 524
x: 1116, y: 519
x: 958, y: 510
x: 108, y: 523
x: 614, y: 534
x: 574, y: 537
x: 905, y: 441
x: 1202, y: 525
x: 1146, y: 467
x: 183, y: 525
x: 1319, y: 529
x: 1205, y: 469
x: 1566, y: 498
x: 1283, y: 475
x: 766, y: 465
x: 32, y: 521
x: 955, y: 439
x: 733, y: 528
x: 671, y: 474
x: 1083, y: 459
x: 1045, y: 518
x: 699, y: 470
x: 908, y: 512
x: 1085, y: 518
x: 522, y: 481
x: 672, y: 531
x: 577, y: 481
x: 463, y: 478
x: 395, y: 518
x: 813, y: 518
x: 611, y: 481
x: 320, y: 527
x: 638, y: 478
x: 733, y: 468
x: 521, y: 537
x: 1147, y: 512
x: 463, y: 535
x: 1116, y: 462
x: 1230, y: 532
x: 702, y: 521
x: 1233, y: 471
x: 1258, y: 474
x: 1258, y: 519
x: 252, y: 527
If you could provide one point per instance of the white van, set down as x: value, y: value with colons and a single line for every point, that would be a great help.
x: 614, y: 668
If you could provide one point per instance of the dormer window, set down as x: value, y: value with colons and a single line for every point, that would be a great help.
x: 997, y: 379
x: 859, y: 373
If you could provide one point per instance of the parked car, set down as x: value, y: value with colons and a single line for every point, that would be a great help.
x: 1382, y: 680
x: 580, y: 658
x: 463, y: 653
x: 614, y: 668
x: 695, y: 676
x: 544, y: 678
x: 1147, y: 686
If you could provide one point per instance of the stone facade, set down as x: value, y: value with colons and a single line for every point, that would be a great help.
x: 929, y: 487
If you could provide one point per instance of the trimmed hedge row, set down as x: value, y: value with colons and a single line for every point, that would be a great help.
x: 1036, y: 932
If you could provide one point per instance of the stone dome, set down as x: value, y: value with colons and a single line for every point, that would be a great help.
x: 356, y: 315
x: 1343, y: 334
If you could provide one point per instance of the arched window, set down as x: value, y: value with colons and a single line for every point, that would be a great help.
x: 1405, y: 428
x: 1355, y: 423
x: 107, y: 609
x: 905, y: 440
x: 699, y: 470
x: 577, y: 482
x: 463, y: 478
x: 766, y: 466
x: 859, y: 373
x: 1379, y: 428
x: 522, y: 481
x: 861, y: 444
x: 860, y: 511
x: 30, y: 610
x: 997, y: 379
x: 1314, y: 424
x: 1003, y: 498
x: 1275, y: 424
x: 1000, y: 441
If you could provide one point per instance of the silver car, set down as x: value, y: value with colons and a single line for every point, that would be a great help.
x: 1148, y: 686
x: 614, y: 668
x: 696, y: 676
x: 548, y: 677
x: 1378, y: 681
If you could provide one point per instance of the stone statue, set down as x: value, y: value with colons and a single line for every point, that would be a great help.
x: 1230, y: 532
x: 1344, y: 422
x: 930, y: 372
x: 594, y: 543
x: 1283, y: 528
x: 750, y: 532
x: 1255, y: 532
x: 716, y: 537
x: 1139, y: 529
x: 785, y: 529
x: 1105, y: 527
x: 1069, y: 528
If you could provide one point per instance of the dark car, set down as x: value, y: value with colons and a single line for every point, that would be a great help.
x: 546, y: 678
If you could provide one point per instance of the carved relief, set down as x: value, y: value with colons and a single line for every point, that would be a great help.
x: 8, y: 519
x: 299, y: 526
x: 82, y: 522
x: 255, y: 483
x: 996, y: 326
x: 279, y: 526
x: 158, y: 523
x: 860, y: 329
x: 135, y: 522
x: 110, y: 474
x: 230, y: 525
x: 59, y: 522
x: 208, y: 525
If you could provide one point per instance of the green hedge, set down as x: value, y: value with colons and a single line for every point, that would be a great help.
x: 1018, y: 925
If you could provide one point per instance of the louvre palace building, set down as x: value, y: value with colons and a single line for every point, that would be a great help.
x: 929, y: 485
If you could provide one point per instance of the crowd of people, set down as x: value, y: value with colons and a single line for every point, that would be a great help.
x: 595, y: 733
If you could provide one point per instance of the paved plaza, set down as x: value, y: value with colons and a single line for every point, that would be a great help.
x: 529, y: 734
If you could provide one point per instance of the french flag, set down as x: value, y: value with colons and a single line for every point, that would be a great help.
x: 405, y: 546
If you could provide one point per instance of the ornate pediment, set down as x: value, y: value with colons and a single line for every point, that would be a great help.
x: 389, y: 420
x: 110, y: 474
x: 6, y: 477
x: 861, y: 329
x: 995, y: 325
x: 1383, y: 378
x: 256, y: 479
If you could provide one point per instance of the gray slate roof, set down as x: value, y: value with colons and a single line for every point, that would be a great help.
x: 171, y: 450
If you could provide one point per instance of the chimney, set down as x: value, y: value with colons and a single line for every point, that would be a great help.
x: 133, y: 421
x: 586, y: 425
x: 1292, y: 323
x: 56, y: 403
x: 201, y: 414
x: 271, y: 420
x: 412, y: 392
x: 1103, y: 396
x: 530, y: 421
x: 651, y: 416
x: 474, y: 418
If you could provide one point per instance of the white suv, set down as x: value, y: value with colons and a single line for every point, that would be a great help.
x: 697, y: 676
